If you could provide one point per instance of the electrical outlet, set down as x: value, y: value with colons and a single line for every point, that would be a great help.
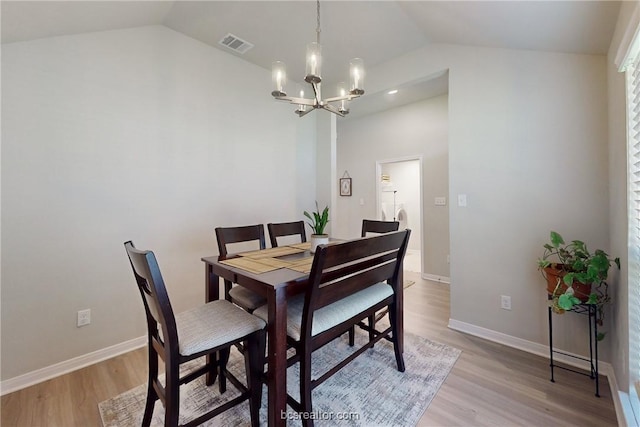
x: 462, y: 200
x: 84, y: 317
x: 505, y: 302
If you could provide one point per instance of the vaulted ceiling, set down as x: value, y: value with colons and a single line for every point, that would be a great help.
x: 376, y: 31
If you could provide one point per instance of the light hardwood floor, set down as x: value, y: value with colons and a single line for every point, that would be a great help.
x: 490, y: 385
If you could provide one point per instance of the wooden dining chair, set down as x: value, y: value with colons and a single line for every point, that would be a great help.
x: 348, y: 282
x: 283, y: 229
x: 378, y: 227
x: 229, y: 235
x: 208, y: 330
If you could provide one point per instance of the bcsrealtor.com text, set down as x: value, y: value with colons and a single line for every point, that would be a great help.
x: 319, y: 415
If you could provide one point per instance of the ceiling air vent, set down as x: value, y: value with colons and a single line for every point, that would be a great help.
x: 235, y: 43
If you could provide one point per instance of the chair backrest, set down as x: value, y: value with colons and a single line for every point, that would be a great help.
x: 379, y: 227
x: 154, y: 296
x: 247, y: 233
x: 342, y: 269
x: 283, y: 229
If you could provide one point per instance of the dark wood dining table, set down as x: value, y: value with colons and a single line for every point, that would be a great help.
x: 277, y: 287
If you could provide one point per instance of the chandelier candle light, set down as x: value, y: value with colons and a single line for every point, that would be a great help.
x: 314, y: 64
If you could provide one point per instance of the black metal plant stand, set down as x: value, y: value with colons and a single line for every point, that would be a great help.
x: 591, y: 311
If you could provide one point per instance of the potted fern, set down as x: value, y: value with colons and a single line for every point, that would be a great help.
x: 318, y: 222
x: 572, y: 271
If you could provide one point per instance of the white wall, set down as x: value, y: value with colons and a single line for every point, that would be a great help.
x: 145, y: 134
x: 528, y: 146
x: 140, y: 134
x: 418, y: 129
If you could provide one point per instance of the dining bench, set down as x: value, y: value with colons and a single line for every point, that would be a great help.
x: 348, y: 282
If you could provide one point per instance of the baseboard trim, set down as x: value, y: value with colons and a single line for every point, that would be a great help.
x: 436, y: 278
x: 542, y: 350
x: 40, y: 375
x: 627, y: 409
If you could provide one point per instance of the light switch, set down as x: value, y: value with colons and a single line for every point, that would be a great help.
x: 462, y: 200
x: 361, y: 202
x: 441, y: 201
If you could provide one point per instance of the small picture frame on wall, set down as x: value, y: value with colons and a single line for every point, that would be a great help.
x: 345, y: 186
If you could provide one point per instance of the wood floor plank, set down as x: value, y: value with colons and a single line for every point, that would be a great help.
x: 490, y: 385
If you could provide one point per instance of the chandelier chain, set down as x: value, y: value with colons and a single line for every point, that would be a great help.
x: 318, y: 19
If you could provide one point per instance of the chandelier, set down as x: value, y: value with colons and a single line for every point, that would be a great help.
x: 314, y: 63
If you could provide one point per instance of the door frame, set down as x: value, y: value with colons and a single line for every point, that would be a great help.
x: 379, y: 164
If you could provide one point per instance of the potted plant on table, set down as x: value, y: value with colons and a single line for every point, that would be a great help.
x: 318, y: 222
x: 574, y: 274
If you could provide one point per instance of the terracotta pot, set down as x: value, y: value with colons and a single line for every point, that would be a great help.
x: 555, y: 275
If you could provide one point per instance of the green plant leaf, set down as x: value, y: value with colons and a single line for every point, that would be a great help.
x: 543, y: 263
x: 318, y: 221
x: 310, y: 222
x: 579, y: 246
x: 567, y: 301
x: 601, y: 336
x: 600, y: 262
x: 593, y: 298
x: 568, y: 278
x: 556, y: 239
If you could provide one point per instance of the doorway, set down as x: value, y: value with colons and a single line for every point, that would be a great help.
x: 399, y: 198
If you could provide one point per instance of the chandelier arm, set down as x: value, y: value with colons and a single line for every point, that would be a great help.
x: 316, y: 92
x: 342, y: 98
x: 304, y: 113
x: 333, y: 109
x: 293, y: 100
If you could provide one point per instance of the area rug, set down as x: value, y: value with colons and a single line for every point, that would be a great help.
x: 367, y: 392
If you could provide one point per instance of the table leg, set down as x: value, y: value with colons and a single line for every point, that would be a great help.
x: 400, y: 311
x: 212, y: 284
x: 277, y: 378
x: 212, y: 293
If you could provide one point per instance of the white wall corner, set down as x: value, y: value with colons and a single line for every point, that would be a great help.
x: 543, y: 350
x: 48, y: 372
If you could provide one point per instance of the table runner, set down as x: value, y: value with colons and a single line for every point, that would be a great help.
x: 265, y: 260
x: 303, y: 265
x: 248, y: 264
x: 272, y: 252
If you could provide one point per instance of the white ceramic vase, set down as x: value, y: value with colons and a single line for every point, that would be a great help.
x: 318, y: 239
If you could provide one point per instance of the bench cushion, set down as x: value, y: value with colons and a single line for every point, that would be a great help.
x: 333, y: 314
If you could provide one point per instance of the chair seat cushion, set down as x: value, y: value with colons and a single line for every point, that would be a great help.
x: 213, y: 324
x: 245, y: 298
x: 333, y: 314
